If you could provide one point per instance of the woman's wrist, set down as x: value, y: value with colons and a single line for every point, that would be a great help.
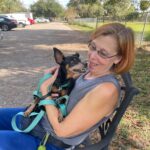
x: 44, y: 91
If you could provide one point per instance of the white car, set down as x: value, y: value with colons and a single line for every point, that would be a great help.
x: 41, y: 20
x: 23, y: 23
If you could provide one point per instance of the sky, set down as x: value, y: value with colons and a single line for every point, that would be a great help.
x: 27, y: 3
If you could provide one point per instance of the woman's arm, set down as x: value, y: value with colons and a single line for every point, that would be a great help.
x: 98, y: 103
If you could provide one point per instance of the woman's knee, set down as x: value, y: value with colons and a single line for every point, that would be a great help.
x: 6, y: 115
x: 12, y: 140
x: 17, y: 141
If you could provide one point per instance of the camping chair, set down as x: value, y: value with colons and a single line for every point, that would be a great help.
x: 108, y: 128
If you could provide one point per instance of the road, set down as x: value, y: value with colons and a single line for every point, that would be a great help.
x: 26, y: 52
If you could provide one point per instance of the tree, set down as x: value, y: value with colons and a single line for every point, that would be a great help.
x: 9, y: 6
x: 117, y: 9
x: 70, y: 14
x: 89, y: 1
x: 131, y: 14
x: 47, y: 8
x: 87, y: 8
x: 73, y: 3
x: 144, y: 5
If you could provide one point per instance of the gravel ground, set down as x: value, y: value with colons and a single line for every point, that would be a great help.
x: 26, y: 52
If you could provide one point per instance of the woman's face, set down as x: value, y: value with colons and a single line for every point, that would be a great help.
x: 102, y: 55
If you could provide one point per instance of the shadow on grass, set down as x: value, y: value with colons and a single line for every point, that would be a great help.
x: 141, y: 77
x: 133, y: 130
x: 123, y: 140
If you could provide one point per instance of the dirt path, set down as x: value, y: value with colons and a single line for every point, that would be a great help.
x: 25, y: 53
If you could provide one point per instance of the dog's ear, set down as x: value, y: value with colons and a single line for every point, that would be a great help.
x: 77, y: 54
x: 58, y: 55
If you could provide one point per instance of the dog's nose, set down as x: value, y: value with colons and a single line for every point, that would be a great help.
x: 83, y: 70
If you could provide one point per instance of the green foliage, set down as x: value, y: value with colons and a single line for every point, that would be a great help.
x: 70, y: 14
x: 89, y: 1
x: 144, y: 5
x: 87, y: 8
x: 96, y: 10
x: 117, y: 9
x: 9, y: 6
x: 47, y: 8
x: 132, y: 16
x: 84, y: 10
x: 75, y: 3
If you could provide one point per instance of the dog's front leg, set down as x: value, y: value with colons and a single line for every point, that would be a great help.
x: 31, y: 107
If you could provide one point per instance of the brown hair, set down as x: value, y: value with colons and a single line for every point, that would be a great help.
x: 125, y: 40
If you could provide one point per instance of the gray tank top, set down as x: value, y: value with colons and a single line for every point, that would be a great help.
x: 82, y: 87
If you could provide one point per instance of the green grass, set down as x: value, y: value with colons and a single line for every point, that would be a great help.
x: 136, y: 26
x: 134, y: 127
x: 147, y: 36
x: 81, y: 26
x: 134, y: 130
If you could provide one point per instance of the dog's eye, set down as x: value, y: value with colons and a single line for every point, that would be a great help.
x: 76, y: 70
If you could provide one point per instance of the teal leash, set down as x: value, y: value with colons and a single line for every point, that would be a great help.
x: 38, y: 116
x: 36, y: 119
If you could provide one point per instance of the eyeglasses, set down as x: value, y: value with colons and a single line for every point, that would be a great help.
x: 102, y: 52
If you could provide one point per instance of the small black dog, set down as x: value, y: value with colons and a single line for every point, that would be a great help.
x: 70, y: 68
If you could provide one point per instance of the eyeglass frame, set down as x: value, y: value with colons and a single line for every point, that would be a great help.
x: 100, y: 50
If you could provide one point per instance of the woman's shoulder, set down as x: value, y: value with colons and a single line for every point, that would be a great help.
x: 105, y: 88
x: 109, y: 81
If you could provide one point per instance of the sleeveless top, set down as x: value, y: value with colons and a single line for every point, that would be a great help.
x: 81, y: 88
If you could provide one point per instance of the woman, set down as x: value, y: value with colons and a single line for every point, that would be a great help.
x: 94, y: 98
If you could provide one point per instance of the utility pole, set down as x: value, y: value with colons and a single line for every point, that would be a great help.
x: 144, y: 28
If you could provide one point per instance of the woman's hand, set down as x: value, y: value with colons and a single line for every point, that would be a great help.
x: 51, y: 70
x: 50, y: 81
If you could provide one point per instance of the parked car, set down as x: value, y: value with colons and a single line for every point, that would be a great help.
x: 7, y: 24
x: 19, y: 23
x: 21, y: 18
x: 41, y: 20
